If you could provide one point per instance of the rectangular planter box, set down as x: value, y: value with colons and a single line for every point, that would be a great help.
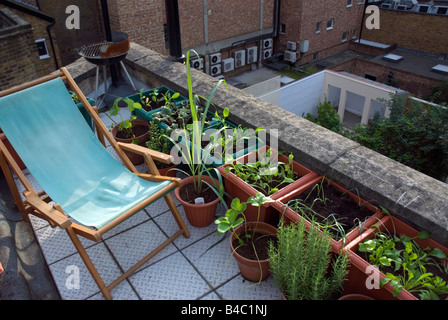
x: 142, y: 114
x: 388, y: 223
x: 337, y: 245
x: 237, y: 188
x: 215, y: 162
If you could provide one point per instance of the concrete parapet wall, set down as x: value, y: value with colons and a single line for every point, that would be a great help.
x: 406, y: 193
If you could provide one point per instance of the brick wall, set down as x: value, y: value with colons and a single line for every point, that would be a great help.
x: 142, y: 20
x: 91, y: 26
x: 417, y: 85
x: 301, y: 18
x: 415, y: 31
x: 18, y: 53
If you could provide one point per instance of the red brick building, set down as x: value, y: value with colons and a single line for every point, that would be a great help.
x: 247, y: 31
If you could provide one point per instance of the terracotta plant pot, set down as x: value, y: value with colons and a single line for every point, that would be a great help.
x: 337, y: 245
x: 168, y: 171
x: 253, y: 270
x: 135, y: 158
x: 199, y: 215
x: 237, y: 188
x: 389, y: 223
x: 12, y: 151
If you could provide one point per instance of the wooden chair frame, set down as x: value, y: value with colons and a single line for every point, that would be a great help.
x: 38, y: 203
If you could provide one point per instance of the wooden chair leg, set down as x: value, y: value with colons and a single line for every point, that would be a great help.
x: 89, y: 264
x: 176, y: 214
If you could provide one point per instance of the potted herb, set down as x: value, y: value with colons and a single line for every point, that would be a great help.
x: 199, y: 193
x: 304, y: 265
x: 411, y: 265
x: 249, y: 241
x: 130, y: 130
x: 159, y: 142
x: 331, y: 206
x: 264, y: 170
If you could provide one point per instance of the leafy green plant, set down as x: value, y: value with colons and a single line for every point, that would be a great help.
x: 406, y: 264
x: 157, y: 98
x: 301, y: 260
x: 229, y: 140
x: 125, y: 125
x: 415, y: 135
x: 266, y: 174
x: 234, y: 217
x: 187, y: 140
x: 327, y: 117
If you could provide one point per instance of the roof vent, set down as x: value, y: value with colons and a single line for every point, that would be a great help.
x: 392, y: 57
x: 440, y: 68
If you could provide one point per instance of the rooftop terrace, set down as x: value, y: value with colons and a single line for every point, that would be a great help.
x: 181, y: 272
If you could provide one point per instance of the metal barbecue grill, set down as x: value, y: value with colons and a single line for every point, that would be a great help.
x: 106, y: 53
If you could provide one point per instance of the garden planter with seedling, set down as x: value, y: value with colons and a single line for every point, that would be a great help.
x: 325, y: 201
x: 409, y: 265
x: 267, y: 171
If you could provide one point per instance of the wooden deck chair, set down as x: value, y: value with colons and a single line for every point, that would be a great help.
x: 92, y: 192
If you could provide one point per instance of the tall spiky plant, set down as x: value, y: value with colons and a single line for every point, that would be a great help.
x: 300, y: 262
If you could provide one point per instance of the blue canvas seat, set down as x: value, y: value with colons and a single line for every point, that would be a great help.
x: 73, y: 167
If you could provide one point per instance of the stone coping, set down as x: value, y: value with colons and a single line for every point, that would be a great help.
x: 408, y: 194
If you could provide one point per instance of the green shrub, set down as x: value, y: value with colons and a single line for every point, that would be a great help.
x: 416, y: 136
x: 327, y: 117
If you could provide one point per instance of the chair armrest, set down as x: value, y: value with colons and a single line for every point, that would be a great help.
x: 156, y: 155
x: 46, y: 211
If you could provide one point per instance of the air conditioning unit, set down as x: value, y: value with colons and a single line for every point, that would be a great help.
x: 251, y: 54
x: 228, y: 64
x: 304, y: 46
x: 267, y: 53
x: 401, y: 7
x: 197, y: 63
x: 291, y: 46
x: 215, y: 58
x: 386, y: 6
x: 215, y: 69
x: 267, y: 43
x: 290, y: 56
x: 240, y: 58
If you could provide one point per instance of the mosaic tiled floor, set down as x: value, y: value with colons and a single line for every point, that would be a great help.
x: 183, y: 270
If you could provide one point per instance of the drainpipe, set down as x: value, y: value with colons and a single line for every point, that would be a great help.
x: 362, y: 22
x: 107, y: 30
x: 52, y: 44
x: 174, y: 40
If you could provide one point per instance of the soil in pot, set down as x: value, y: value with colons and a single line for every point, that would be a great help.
x: 339, y: 204
x: 188, y: 193
x: 261, y: 246
x: 137, y: 130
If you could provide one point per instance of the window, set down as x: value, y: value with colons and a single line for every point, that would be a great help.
x: 344, y: 36
x: 42, y: 49
x: 349, y: 3
x: 354, y: 33
x: 282, y: 28
x: 318, y: 27
x: 360, y: 1
x: 315, y: 56
x: 330, y: 24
